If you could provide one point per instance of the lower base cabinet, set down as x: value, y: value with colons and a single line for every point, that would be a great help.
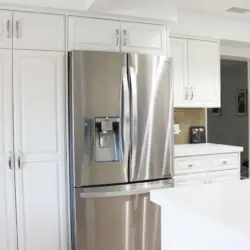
x: 206, y: 178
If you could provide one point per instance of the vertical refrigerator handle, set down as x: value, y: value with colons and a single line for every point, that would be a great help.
x: 171, y: 134
x: 134, y: 120
x: 125, y: 116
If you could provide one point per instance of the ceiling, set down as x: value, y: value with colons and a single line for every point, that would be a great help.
x: 217, y: 7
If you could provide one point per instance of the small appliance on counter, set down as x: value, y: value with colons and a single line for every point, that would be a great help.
x: 197, y: 134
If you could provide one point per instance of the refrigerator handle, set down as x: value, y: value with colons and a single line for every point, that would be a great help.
x: 125, y: 116
x: 169, y: 68
x: 134, y: 120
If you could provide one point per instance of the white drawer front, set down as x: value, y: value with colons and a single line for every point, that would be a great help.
x: 189, y: 165
x: 225, y: 161
x: 223, y: 176
x: 206, y: 163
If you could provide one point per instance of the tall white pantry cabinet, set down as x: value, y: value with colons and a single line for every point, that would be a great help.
x: 32, y: 132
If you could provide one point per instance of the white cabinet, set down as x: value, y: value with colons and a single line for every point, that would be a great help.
x: 144, y: 38
x: 93, y: 34
x: 206, y: 169
x: 206, y: 178
x: 39, y: 144
x: 187, y: 180
x: 204, y: 73
x: 179, y: 55
x: 214, y: 177
x: 6, y: 29
x: 7, y: 179
x: 108, y: 35
x: 196, y: 73
x: 38, y: 31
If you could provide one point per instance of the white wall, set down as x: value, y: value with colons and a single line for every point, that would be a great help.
x: 229, y: 128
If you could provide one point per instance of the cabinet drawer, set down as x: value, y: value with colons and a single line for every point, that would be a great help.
x: 223, y: 176
x: 188, y: 180
x: 206, y: 163
x: 189, y: 165
x: 225, y: 161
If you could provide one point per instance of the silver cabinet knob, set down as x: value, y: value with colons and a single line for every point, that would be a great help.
x: 8, y: 29
x: 17, y: 30
x: 186, y: 93
x: 192, y: 93
x: 125, y: 37
x: 117, y: 37
x: 10, y: 160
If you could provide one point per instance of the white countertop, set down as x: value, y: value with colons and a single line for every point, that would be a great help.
x: 204, y: 149
x: 219, y: 213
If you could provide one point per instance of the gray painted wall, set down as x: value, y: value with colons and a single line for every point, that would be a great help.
x: 229, y: 128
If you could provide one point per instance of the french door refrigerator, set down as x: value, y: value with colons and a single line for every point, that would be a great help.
x: 121, y: 147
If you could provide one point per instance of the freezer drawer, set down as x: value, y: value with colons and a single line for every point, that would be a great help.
x: 119, y: 223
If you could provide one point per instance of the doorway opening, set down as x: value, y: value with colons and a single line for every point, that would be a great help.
x: 229, y: 124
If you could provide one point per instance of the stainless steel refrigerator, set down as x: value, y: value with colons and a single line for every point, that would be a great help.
x: 121, y: 147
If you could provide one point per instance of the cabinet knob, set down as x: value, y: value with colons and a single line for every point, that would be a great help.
x: 190, y: 166
x: 125, y: 37
x: 192, y: 94
x: 224, y: 162
x: 117, y: 37
x: 186, y: 93
x: 8, y: 29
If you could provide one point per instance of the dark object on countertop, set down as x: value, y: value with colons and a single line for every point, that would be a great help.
x: 197, y: 134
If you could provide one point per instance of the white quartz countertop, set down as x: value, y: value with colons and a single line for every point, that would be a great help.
x: 219, y: 213
x: 204, y: 149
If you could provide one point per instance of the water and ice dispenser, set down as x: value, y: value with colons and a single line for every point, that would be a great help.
x: 108, y: 146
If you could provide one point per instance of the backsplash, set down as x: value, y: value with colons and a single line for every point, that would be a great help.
x: 187, y: 118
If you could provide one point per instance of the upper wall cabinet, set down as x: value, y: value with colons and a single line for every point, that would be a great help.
x: 179, y: 55
x: 143, y: 37
x: 38, y: 31
x: 6, y: 29
x: 204, y: 73
x: 196, y: 73
x: 117, y: 36
x: 93, y: 34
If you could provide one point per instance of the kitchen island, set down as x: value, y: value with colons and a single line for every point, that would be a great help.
x: 205, y: 217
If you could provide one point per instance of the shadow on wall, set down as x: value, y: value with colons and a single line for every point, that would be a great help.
x: 228, y: 127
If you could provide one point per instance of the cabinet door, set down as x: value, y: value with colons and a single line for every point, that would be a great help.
x: 178, y: 49
x: 93, y: 34
x: 188, y: 180
x: 222, y: 176
x: 8, y: 237
x: 144, y: 38
x: 204, y: 73
x: 38, y: 31
x: 40, y: 154
x: 5, y: 29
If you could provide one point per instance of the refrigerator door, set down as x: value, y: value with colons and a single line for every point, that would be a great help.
x: 151, y: 117
x: 99, y: 118
x: 129, y: 222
